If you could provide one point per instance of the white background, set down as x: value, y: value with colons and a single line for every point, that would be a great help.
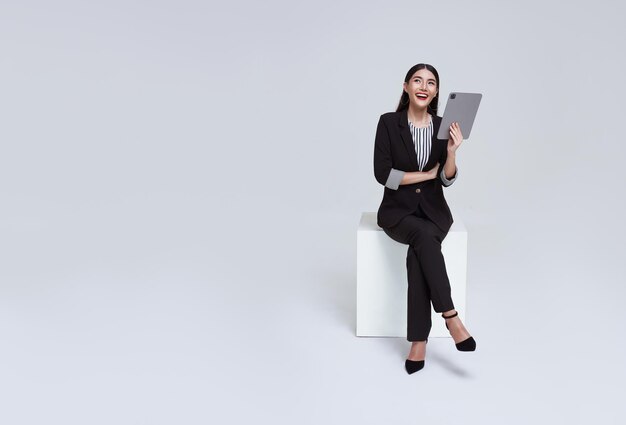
x: 181, y: 184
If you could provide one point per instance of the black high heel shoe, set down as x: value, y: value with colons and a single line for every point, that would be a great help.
x: 466, y: 345
x: 413, y: 366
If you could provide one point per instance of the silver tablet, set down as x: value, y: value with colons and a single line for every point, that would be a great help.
x: 462, y: 108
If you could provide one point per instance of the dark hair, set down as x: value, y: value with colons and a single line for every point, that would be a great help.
x: 404, y: 99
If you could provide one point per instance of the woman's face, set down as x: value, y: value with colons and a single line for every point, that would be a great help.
x: 421, y: 88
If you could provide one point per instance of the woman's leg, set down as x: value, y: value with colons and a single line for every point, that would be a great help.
x: 418, y: 308
x: 424, y: 239
x: 418, y: 294
x: 419, y: 320
x: 428, y: 279
x: 426, y: 244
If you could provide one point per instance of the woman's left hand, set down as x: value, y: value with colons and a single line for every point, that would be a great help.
x: 456, y: 137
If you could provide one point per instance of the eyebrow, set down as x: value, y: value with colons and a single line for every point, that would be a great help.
x: 430, y: 79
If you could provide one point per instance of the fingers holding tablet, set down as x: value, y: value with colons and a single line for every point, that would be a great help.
x: 455, y: 130
x: 456, y: 137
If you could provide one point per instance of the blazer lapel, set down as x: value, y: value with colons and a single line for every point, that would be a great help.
x: 436, y: 124
x: 438, y: 145
x: 407, y: 139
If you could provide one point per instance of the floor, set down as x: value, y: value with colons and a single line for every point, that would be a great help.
x: 118, y: 323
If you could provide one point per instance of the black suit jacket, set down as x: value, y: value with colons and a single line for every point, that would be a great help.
x: 394, y: 148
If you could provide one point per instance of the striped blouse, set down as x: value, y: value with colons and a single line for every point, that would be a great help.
x: 422, y: 140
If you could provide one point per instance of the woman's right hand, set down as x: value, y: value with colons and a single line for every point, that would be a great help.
x: 412, y: 177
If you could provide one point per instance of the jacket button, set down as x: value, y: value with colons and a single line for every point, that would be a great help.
x: 418, y: 190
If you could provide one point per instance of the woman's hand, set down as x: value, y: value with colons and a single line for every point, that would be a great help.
x: 456, y: 137
x: 412, y: 177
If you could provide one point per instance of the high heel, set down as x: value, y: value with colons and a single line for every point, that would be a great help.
x: 466, y: 345
x: 413, y: 366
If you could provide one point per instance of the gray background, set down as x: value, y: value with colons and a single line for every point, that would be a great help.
x: 182, y: 182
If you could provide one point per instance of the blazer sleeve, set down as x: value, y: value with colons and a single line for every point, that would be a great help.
x: 383, y: 171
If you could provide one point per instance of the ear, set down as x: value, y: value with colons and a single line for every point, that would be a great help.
x: 404, y: 86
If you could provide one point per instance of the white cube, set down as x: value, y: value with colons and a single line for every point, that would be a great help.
x: 382, y: 280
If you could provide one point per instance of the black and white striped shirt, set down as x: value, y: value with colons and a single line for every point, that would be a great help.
x: 422, y: 141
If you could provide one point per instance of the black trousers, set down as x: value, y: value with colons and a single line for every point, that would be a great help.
x: 426, y: 272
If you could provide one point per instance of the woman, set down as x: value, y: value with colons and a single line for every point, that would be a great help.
x: 413, y: 165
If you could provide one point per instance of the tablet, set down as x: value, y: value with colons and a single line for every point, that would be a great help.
x: 462, y: 108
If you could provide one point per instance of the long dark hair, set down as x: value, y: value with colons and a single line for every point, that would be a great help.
x: 404, y: 99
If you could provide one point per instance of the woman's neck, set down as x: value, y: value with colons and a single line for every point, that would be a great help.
x: 419, y: 117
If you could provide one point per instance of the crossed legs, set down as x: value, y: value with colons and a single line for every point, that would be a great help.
x: 426, y: 272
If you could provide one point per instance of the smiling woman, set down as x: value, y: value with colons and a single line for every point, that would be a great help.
x: 421, y: 73
x: 414, y: 165
x: 423, y: 84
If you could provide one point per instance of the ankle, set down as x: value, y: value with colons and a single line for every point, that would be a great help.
x: 447, y: 314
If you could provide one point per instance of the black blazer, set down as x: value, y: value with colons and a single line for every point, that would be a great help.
x: 394, y: 148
